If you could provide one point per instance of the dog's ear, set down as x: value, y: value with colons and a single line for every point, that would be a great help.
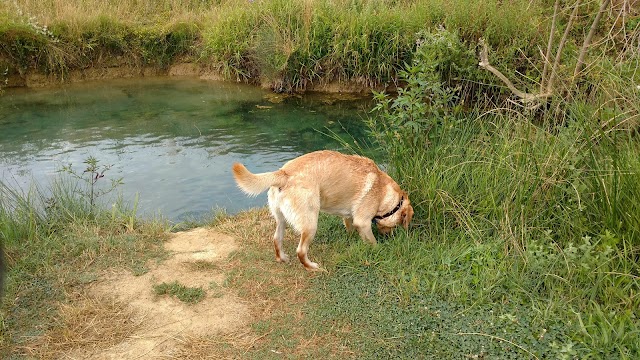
x: 407, y: 215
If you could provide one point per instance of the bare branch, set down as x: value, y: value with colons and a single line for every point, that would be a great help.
x: 563, y: 41
x: 587, y: 40
x: 525, y: 97
x: 547, y: 56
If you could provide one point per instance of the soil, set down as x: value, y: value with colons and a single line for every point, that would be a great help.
x: 118, y: 70
x: 164, y: 321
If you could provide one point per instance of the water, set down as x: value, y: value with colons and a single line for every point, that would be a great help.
x: 173, y: 141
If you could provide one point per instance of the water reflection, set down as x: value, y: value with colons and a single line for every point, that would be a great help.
x: 172, y: 140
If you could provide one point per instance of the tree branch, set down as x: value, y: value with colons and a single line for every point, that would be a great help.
x: 587, y: 40
x: 525, y: 97
x: 563, y: 41
x: 547, y: 55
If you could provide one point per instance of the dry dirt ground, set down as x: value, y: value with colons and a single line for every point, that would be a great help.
x: 254, y: 307
x: 158, y: 324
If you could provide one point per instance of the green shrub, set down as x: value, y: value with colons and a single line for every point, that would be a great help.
x: 511, y: 206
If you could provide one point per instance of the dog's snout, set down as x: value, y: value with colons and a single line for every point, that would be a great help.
x: 384, y: 230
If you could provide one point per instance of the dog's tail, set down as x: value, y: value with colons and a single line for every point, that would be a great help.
x: 254, y: 184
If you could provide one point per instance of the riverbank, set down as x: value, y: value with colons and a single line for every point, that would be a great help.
x: 192, y: 70
x: 284, y: 45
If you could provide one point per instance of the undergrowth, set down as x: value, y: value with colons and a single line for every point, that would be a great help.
x: 288, y: 45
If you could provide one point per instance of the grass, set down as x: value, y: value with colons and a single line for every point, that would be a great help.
x: 275, y: 293
x: 84, y: 322
x: 526, y: 239
x: 447, y: 288
x: 526, y: 236
x: 423, y: 294
x: 419, y: 296
x: 190, y: 295
x: 294, y: 45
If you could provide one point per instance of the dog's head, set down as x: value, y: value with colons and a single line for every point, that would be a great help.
x: 402, y: 216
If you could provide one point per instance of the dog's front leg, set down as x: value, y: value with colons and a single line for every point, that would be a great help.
x: 364, y: 229
x: 348, y: 223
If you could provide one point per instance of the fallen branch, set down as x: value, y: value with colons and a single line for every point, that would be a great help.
x: 525, y: 98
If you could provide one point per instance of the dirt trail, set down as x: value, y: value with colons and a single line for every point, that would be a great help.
x: 163, y: 321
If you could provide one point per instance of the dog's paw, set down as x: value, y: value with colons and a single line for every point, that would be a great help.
x: 284, y: 258
x: 311, y: 266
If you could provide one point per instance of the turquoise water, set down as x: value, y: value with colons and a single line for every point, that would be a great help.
x: 173, y: 141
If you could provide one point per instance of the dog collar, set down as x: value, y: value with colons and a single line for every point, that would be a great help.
x: 378, y: 217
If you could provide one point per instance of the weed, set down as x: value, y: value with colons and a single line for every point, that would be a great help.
x: 94, y: 172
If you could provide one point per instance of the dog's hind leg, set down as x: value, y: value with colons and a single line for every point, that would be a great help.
x: 306, y: 236
x: 278, y: 236
x: 280, y: 226
x: 301, y: 207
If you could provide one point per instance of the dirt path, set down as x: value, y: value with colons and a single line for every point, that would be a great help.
x: 161, y: 322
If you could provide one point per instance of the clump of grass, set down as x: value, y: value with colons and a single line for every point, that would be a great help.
x: 217, y: 291
x: 190, y: 295
x: 228, y: 41
x: 203, y: 265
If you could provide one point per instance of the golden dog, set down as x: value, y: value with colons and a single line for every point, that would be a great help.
x: 350, y: 186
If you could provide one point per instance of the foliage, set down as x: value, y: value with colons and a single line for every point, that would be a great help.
x: 291, y: 45
x: 510, y: 211
x: 288, y: 45
x: 431, y: 95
